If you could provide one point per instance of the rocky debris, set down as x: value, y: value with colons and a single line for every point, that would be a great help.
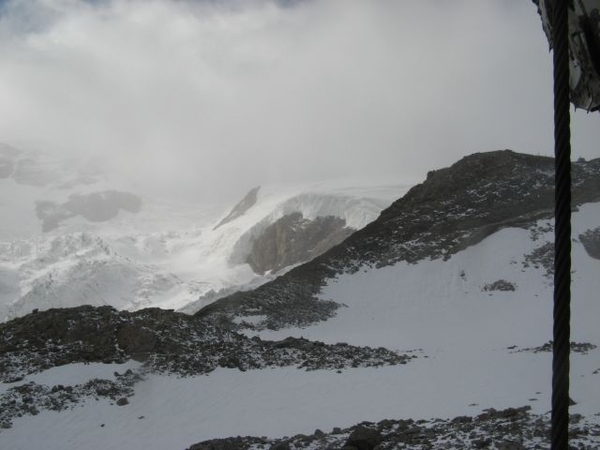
x: 541, y: 257
x: 240, y: 209
x: 316, y: 355
x: 95, y: 207
x: 453, y: 209
x: 31, y: 398
x: 536, y: 232
x: 293, y: 239
x: 508, y: 429
x: 165, y: 341
x: 576, y: 347
x: 500, y: 285
x: 591, y: 242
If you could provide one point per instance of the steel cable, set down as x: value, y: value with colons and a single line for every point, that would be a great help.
x: 562, y: 239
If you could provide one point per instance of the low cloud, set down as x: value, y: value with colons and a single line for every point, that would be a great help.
x: 211, y: 98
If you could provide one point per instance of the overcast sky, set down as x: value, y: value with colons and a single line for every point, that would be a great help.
x: 224, y: 95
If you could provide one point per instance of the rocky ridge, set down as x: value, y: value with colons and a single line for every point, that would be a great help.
x: 164, y: 342
x: 167, y: 342
x: 507, y: 429
x: 453, y: 209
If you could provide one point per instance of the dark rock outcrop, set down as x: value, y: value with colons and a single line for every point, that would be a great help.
x: 233, y: 443
x: 240, y: 209
x: 591, y: 242
x: 500, y: 285
x: 293, y: 239
x: 363, y: 438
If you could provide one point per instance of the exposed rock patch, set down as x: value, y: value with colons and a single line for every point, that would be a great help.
x: 240, y: 209
x: 31, y: 398
x: 542, y: 257
x: 293, y: 239
x: 591, y: 242
x: 95, y: 207
x: 500, y: 285
x: 576, y: 347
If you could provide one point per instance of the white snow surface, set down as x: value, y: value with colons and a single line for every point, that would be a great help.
x: 438, y: 309
x: 168, y: 255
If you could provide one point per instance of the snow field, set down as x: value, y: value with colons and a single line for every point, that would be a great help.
x: 471, y: 347
x: 168, y: 255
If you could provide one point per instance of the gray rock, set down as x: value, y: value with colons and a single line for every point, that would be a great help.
x: 591, y: 242
x: 240, y: 209
x: 500, y: 285
x: 363, y: 438
x: 293, y: 239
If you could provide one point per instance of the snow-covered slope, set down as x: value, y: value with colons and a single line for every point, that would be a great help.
x: 476, y: 320
x: 163, y: 253
x: 475, y: 349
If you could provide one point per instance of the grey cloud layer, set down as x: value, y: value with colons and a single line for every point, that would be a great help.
x: 222, y: 96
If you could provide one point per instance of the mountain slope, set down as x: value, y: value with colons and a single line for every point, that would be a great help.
x: 453, y: 209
